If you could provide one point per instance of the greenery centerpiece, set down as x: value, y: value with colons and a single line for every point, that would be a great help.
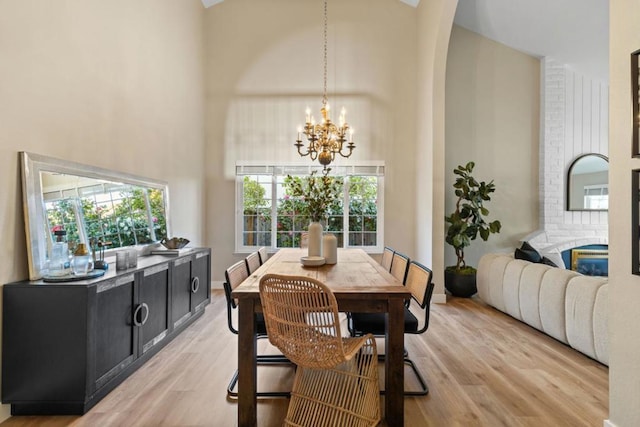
x: 465, y: 224
x: 317, y: 195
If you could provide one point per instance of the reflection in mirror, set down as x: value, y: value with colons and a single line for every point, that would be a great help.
x: 90, y: 204
x: 588, y: 183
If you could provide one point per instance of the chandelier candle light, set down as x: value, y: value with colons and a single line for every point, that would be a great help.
x: 326, y: 139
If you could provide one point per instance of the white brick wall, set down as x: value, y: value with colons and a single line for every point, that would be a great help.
x: 575, y: 122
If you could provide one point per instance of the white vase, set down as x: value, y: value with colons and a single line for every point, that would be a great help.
x: 315, y: 239
x: 330, y: 248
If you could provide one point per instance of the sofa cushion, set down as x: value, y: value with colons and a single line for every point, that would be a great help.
x: 530, y: 293
x: 581, y: 297
x: 511, y: 294
x: 552, y: 302
x: 600, y: 324
x: 490, y: 277
x: 527, y: 253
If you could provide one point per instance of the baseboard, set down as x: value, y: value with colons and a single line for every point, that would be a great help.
x: 217, y: 284
x: 607, y: 423
x: 439, y: 298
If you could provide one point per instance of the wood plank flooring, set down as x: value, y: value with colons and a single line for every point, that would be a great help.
x: 483, y: 368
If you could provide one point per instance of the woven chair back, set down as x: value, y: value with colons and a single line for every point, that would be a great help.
x: 387, y: 258
x: 253, y: 262
x: 236, y: 274
x: 399, y: 266
x: 418, y: 280
x: 263, y: 255
x: 302, y: 320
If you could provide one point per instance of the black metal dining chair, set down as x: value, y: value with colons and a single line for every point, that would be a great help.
x: 234, y: 276
x: 418, y: 280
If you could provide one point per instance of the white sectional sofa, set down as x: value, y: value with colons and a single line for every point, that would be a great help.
x: 566, y: 305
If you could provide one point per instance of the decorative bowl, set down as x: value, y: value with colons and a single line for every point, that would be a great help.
x: 174, y: 243
x: 312, y: 261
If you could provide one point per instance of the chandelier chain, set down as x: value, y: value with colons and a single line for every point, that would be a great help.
x: 326, y: 139
x: 324, y: 93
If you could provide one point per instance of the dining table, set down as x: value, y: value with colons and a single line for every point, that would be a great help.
x: 360, y: 284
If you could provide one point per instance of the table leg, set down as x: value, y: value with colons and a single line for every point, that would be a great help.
x: 247, y: 371
x: 394, y: 363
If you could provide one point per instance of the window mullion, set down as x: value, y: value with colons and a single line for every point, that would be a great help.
x: 274, y: 210
x: 345, y: 212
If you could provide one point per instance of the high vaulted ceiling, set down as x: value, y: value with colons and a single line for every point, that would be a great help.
x: 575, y: 32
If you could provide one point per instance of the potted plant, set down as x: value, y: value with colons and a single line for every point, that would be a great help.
x: 318, y: 195
x: 465, y: 224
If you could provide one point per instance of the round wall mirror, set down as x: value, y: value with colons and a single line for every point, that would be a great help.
x: 588, y: 183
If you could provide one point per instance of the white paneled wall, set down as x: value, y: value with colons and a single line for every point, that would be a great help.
x: 575, y: 122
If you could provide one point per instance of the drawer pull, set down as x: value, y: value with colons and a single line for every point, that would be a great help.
x: 137, y: 312
x: 195, y: 284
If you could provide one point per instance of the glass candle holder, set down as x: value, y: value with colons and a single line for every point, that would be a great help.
x: 133, y: 258
x: 122, y: 260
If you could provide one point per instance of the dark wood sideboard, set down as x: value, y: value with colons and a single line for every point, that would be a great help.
x: 66, y: 345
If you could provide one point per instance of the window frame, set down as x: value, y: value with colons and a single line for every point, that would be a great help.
x: 243, y: 169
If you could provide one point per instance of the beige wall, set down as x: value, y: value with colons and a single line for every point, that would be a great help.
x: 435, y: 19
x: 624, y: 299
x: 493, y: 119
x: 116, y: 84
x: 264, y: 66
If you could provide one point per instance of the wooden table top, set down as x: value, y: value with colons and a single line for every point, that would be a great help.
x: 356, y: 275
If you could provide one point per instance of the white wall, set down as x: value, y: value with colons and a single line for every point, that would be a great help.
x: 624, y: 297
x: 492, y: 119
x: 115, y: 84
x: 576, y: 112
x: 264, y: 66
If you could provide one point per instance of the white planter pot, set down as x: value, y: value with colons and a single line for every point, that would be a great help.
x: 330, y: 248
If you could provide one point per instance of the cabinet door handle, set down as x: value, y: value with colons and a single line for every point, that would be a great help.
x: 137, y: 312
x: 195, y: 284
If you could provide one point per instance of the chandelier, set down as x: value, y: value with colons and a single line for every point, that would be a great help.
x: 326, y: 139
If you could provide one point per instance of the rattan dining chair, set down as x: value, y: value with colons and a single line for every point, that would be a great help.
x: 387, y: 258
x: 336, y: 382
x: 253, y: 262
x: 234, y: 276
x: 399, y: 266
x: 419, y: 282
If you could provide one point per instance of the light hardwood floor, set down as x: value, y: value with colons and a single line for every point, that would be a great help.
x: 483, y: 368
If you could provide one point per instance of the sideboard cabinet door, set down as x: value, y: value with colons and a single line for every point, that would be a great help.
x: 115, y: 335
x: 200, y: 286
x: 190, y: 286
x: 153, y: 313
x: 181, y: 291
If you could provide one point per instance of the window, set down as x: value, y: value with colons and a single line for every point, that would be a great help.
x: 268, y: 215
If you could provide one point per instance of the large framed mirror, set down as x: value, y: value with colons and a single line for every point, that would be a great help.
x: 588, y: 183
x: 89, y: 204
